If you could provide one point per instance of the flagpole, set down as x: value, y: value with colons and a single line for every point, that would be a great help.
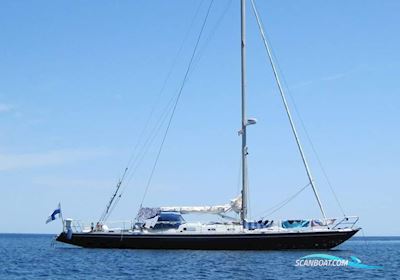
x: 61, y: 216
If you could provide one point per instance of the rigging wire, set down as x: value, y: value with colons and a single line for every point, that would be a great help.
x: 133, y: 159
x: 212, y: 34
x: 316, y: 154
x: 177, y: 101
x: 165, y: 82
x: 297, y: 112
x: 281, y: 204
x: 142, y: 155
x: 292, y: 125
x: 152, y: 137
x: 209, y: 37
x: 314, y: 149
x: 365, y: 239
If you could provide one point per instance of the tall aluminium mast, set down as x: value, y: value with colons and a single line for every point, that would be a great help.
x: 243, y: 214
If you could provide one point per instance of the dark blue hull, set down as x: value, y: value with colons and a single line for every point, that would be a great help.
x: 258, y: 241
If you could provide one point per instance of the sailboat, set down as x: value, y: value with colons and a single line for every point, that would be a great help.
x: 166, y: 228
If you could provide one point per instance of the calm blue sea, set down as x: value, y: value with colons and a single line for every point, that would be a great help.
x: 28, y: 256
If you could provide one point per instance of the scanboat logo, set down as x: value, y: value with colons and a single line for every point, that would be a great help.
x: 329, y: 260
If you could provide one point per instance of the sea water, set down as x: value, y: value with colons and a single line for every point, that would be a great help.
x: 30, y: 256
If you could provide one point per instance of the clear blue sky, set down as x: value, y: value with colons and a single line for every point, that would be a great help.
x: 78, y: 79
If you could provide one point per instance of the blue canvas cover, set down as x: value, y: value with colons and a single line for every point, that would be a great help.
x: 258, y: 224
x: 295, y: 223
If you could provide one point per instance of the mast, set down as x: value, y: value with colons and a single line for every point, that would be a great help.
x: 243, y: 214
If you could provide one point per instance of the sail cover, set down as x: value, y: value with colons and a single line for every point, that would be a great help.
x: 146, y: 213
x: 234, y: 205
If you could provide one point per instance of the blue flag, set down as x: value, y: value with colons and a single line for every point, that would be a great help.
x: 53, y: 216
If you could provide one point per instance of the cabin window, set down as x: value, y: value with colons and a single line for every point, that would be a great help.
x: 169, y: 221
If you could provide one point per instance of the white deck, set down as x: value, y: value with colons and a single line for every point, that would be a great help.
x: 187, y: 228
